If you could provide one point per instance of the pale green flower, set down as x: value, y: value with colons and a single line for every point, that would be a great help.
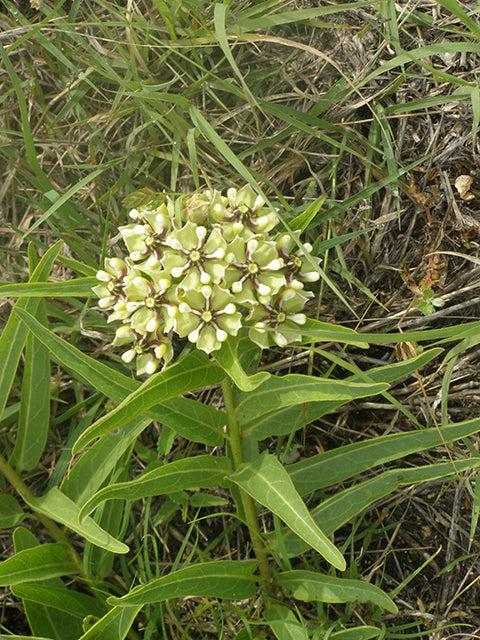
x: 148, y: 351
x: 247, y: 211
x: 195, y: 255
x: 146, y: 300
x: 255, y: 269
x: 144, y: 237
x: 207, y: 316
x: 281, y: 320
x: 112, y: 280
x: 205, y: 207
x: 298, y: 266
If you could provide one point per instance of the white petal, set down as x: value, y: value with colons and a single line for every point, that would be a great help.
x: 194, y: 335
x: 221, y: 335
x: 206, y: 291
x: 280, y: 339
x: 204, y: 277
x: 151, y: 366
x: 177, y: 272
x: 218, y: 253
x: 275, y: 265
x: 298, y: 318
x: 129, y: 355
x: 134, y: 215
x: 183, y: 307
x: 104, y: 303
x: 103, y: 276
x: 237, y: 286
x: 201, y: 233
x: 311, y: 276
x: 174, y: 243
x: 252, y: 244
x: 230, y: 308
x: 263, y: 290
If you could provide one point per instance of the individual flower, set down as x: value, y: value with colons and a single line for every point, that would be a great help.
x: 281, y: 320
x: 112, y: 280
x: 205, y: 207
x: 299, y: 265
x: 147, y: 351
x: 207, y: 316
x: 146, y: 302
x: 247, y: 212
x: 255, y: 269
x: 144, y: 237
x: 196, y: 255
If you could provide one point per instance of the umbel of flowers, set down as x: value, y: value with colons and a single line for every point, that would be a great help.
x: 203, y: 267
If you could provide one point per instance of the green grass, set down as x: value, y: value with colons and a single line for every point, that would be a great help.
x: 343, y: 114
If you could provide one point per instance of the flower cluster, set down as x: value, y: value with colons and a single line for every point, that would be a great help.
x: 203, y: 267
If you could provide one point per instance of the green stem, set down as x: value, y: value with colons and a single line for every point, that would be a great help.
x: 235, y: 439
x: 24, y: 492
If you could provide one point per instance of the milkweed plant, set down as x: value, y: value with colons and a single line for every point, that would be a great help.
x: 207, y: 281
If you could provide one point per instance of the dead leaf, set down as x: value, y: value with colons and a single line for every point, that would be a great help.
x: 36, y: 4
x: 463, y: 185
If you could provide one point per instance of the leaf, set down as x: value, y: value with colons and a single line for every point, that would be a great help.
x: 310, y: 586
x: 287, y: 420
x: 268, y: 20
x: 191, y: 419
x: 301, y: 222
x: 43, y: 620
x: 227, y: 358
x: 38, y: 563
x: 295, y: 389
x: 345, y: 505
x: 192, y: 372
x: 357, y: 633
x: 76, y: 288
x: 114, y: 625
x: 95, y: 465
x: 34, y: 417
x: 15, y: 333
x: 57, y: 506
x: 268, y: 482
x: 77, y: 604
x: 199, y: 472
x: 226, y: 579
x: 337, y: 465
x: 284, y: 624
x: 11, y: 513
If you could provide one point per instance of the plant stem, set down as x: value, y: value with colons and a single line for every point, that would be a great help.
x: 24, y: 492
x: 235, y: 439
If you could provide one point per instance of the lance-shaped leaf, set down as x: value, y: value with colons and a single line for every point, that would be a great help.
x: 345, y: 505
x: 11, y: 513
x: 57, y: 506
x: 295, y: 389
x: 76, y: 288
x: 227, y: 358
x: 15, y: 333
x: 189, y: 418
x: 318, y: 331
x: 226, y: 579
x: 268, y: 482
x: 190, y: 373
x: 357, y: 633
x: 283, y: 421
x: 310, y: 586
x: 37, y: 563
x: 336, y: 465
x: 114, y: 625
x: 189, y: 473
x: 75, y: 603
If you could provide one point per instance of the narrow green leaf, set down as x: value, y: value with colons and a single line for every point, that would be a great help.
x: 226, y: 579
x: 60, y: 508
x: 357, y: 633
x: 295, y: 389
x: 77, y: 604
x: 227, y: 358
x: 190, y: 473
x: 310, y: 586
x: 284, y: 624
x: 11, y: 513
x: 337, y: 465
x: 114, y: 625
x: 192, y: 372
x: 301, y: 222
x: 191, y: 419
x: 346, y: 505
x: 79, y: 287
x: 268, y: 482
x: 317, y: 331
x: 454, y: 7
x: 287, y: 420
x: 64, y: 198
x: 15, y: 333
x: 34, y: 417
x: 37, y: 563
